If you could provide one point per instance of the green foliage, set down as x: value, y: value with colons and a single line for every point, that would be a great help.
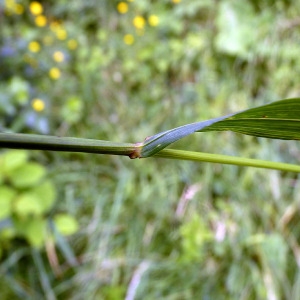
x: 194, y: 235
x: 26, y: 199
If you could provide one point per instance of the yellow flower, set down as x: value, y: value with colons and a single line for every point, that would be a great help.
x: 153, y: 20
x: 61, y: 34
x: 35, y: 8
x: 54, y: 73
x: 40, y: 21
x: 34, y: 47
x: 139, y: 22
x: 38, y: 104
x: 128, y: 39
x: 72, y: 44
x: 176, y: 1
x: 122, y: 7
x: 58, y: 56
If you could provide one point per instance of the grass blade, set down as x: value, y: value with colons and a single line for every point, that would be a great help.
x: 278, y: 120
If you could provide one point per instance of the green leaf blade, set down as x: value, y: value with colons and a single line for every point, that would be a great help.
x: 278, y: 120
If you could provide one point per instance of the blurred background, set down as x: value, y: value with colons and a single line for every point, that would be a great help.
x: 83, y: 226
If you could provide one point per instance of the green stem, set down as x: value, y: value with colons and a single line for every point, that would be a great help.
x: 54, y: 143
x: 225, y: 159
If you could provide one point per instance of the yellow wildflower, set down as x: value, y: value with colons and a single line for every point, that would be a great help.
x: 58, y: 56
x: 35, y: 8
x: 122, y: 7
x: 153, y: 20
x: 38, y: 104
x: 139, y: 22
x: 54, y: 73
x: 72, y: 44
x: 34, y: 47
x: 176, y: 1
x: 40, y: 21
x: 128, y: 39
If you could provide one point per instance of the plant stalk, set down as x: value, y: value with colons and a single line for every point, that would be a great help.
x: 68, y: 144
x: 226, y: 159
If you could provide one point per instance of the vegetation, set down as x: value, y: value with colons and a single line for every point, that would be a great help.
x: 149, y: 228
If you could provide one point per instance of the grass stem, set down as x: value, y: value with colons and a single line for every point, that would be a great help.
x: 226, y: 159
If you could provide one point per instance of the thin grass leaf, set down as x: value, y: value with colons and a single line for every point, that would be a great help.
x: 278, y: 120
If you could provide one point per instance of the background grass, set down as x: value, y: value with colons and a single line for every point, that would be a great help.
x: 154, y: 228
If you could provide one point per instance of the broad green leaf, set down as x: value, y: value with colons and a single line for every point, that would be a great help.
x: 12, y: 159
x: 46, y: 194
x: 27, y: 175
x: 65, y: 224
x: 33, y: 230
x: 278, y: 120
x: 6, y: 198
x: 27, y: 204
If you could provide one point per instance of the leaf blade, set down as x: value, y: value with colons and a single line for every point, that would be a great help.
x: 277, y: 120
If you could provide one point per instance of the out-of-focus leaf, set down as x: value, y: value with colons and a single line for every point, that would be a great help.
x: 20, y: 90
x: 33, y: 230
x: 195, y: 235
x: 27, y: 175
x: 45, y: 193
x: 28, y: 204
x: 65, y: 224
x: 12, y: 159
x: 6, y: 197
x: 274, y: 249
x: 235, y: 27
x: 72, y: 109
